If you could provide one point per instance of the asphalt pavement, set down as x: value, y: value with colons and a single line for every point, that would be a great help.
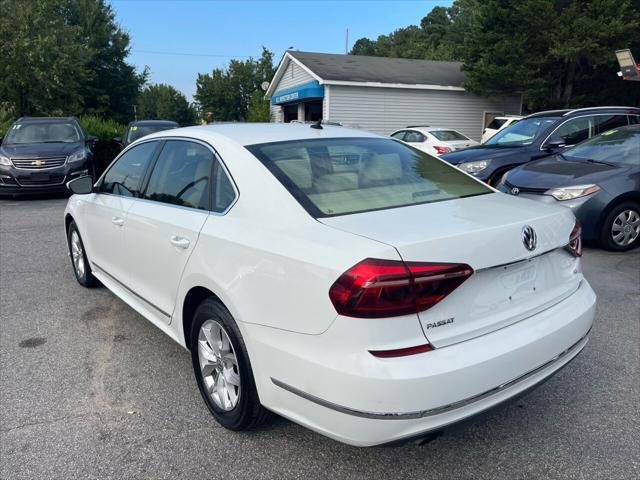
x: 90, y: 389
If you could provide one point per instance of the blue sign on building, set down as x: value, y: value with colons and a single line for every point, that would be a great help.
x: 305, y: 91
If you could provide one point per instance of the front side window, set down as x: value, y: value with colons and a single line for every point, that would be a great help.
x: 40, y: 132
x: 522, y: 133
x: 573, y: 131
x: 182, y: 175
x: 448, y: 135
x: 384, y: 174
x: 125, y: 176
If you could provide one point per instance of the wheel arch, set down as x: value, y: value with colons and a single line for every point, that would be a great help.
x: 194, y: 297
x: 630, y: 196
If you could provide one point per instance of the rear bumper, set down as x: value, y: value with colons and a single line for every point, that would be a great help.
x: 355, y: 398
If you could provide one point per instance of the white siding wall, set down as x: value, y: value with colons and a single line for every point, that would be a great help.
x: 383, y: 110
x: 293, y: 75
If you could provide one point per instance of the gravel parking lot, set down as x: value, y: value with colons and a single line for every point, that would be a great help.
x: 90, y: 389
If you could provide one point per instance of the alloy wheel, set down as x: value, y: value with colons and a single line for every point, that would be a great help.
x: 218, y: 365
x: 77, y: 254
x: 625, y: 228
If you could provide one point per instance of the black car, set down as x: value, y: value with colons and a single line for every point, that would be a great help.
x: 598, y: 179
x: 140, y: 128
x: 537, y: 136
x: 41, y: 154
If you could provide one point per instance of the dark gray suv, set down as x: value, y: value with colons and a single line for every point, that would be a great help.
x: 41, y: 154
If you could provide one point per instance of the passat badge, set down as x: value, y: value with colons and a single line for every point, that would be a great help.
x: 529, y: 238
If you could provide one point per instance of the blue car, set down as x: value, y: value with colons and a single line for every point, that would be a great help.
x: 537, y: 136
x: 599, y: 179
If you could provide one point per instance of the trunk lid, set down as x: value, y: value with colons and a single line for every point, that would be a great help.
x: 509, y: 283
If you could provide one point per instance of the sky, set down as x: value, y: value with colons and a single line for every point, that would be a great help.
x: 178, y: 39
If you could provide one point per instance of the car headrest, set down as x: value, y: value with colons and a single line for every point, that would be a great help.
x: 298, y: 170
x: 381, y: 168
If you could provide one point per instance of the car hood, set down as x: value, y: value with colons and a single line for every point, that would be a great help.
x: 559, y: 171
x: 40, y: 150
x: 481, y: 152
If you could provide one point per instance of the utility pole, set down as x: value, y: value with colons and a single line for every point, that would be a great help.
x: 346, y: 42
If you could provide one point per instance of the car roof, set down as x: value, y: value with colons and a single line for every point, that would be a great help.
x: 45, y: 119
x: 587, y: 110
x: 153, y: 122
x: 256, y: 133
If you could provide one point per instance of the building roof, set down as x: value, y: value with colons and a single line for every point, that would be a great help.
x: 329, y: 68
x: 360, y: 68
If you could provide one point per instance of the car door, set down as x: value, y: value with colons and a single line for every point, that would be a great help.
x: 105, y: 212
x: 163, y: 226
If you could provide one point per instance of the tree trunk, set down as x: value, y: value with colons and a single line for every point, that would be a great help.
x: 569, y: 77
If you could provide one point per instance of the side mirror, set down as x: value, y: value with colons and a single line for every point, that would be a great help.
x: 81, y: 185
x: 554, y: 145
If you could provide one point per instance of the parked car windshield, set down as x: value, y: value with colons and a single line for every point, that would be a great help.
x: 447, y: 135
x: 618, y: 146
x: 338, y: 176
x: 139, y: 131
x: 521, y: 133
x: 21, y: 133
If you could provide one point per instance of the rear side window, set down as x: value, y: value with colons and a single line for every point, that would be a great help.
x: 414, y: 137
x: 633, y: 120
x: 607, y: 122
x: 383, y: 174
x: 182, y: 175
x: 124, y: 177
x: 448, y: 135
x: 399, y: 135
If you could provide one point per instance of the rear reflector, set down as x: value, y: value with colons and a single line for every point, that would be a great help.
x: 401, y: 352
x: 377, y: 288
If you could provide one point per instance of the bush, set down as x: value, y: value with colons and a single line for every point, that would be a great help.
x: 7, y: 117
x: 106, y: 149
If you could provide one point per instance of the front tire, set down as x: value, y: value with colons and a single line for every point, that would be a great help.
x: 222, y: 368
x: 79, y: 260
x: 621, y: 228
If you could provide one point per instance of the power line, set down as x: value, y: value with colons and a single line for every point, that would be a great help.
x: 190, y: 54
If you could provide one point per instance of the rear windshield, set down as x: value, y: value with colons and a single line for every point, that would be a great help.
x: 339, y: 176
x: 139, y: 131
x: 447, y: 135
x: 42, y: 132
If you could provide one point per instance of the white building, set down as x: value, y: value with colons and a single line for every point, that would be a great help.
x: 381, y: 94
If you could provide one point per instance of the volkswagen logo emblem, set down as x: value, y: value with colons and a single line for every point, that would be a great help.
x: 515, y: 191
x: 529, y: 238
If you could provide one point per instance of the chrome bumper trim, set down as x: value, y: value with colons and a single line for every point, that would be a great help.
x: 433, y: 411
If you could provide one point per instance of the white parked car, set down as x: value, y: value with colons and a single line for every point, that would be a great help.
x: 434, y: 141
x: 343, y: 280
x: 497, y: 124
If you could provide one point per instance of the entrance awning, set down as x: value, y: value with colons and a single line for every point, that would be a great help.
x: 305, y: 91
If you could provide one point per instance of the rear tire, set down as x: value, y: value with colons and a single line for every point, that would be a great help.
x: 621, y: 228
x: 79, y: 260
x: 222, y: 368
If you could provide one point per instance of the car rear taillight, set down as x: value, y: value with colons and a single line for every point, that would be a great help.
x: 440, y: 149
x: 377, y: 288
x: 575, y: 240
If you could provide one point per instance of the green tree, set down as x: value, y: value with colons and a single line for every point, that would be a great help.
x: 258, y: 109
x: 226, y: 94
x: 163, y: 101
x: 65, y: 57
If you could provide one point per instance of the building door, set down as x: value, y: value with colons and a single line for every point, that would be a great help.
x: 313, y: 111
x: 290, y: 112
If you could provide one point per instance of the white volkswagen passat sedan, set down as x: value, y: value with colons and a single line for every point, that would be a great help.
x: 346, y: 281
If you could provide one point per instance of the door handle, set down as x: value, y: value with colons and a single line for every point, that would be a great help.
x: 179, y: 242
x: 117, y: 221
